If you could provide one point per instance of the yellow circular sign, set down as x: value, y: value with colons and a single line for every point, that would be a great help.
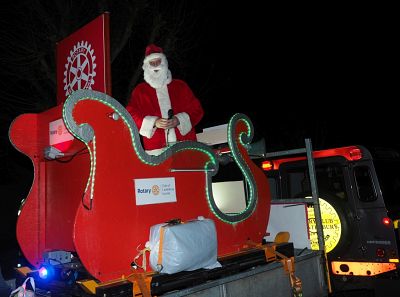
x: 331, y: 225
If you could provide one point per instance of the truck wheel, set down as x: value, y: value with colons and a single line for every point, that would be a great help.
x: 337, y: 217
x: 335, y: 221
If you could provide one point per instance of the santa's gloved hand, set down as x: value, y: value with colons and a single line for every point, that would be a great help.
x: 161, y: 123
x: 173, y: 122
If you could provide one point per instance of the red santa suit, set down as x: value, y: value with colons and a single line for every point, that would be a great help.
x: 148, y: 103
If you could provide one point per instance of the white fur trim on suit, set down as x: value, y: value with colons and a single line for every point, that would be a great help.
x: 165, y: 105
x: 163, y: 101
x: 154, y: 56
x: 156, y: 152
x: 184, y: 123
x: 147, y: 129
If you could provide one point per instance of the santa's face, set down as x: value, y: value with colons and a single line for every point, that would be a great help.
x: 156, y: 71
x: 155, y: 62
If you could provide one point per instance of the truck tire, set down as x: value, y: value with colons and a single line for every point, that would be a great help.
x: 335, y: 243
x: 343, y: 212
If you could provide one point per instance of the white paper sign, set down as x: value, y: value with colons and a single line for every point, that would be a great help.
x: 58, y: 133
x: 155, y: 190
x: 214, y: 135
x: 229, y: 196
x: 291, y: 218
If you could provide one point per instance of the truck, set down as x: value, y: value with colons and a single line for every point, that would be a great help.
x: 357, y: 193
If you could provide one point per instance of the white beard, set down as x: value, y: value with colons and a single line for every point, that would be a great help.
x: 159, y: 76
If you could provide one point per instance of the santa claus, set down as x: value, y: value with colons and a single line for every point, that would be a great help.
x: 164, y: 109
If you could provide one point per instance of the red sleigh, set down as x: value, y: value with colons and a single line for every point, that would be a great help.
x: 87, y: 201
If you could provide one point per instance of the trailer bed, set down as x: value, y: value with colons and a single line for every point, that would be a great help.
x: 266, y: 280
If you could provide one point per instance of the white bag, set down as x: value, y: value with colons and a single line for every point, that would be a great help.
x: 21, y: 291
x: 184, y: 246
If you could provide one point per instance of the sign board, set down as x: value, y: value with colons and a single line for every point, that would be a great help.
x: 291, y: 218
x: 155, y: 190
x: 214, y: 135
x: 59, y: 137
x: 83, y: 59
x: 229, y: 196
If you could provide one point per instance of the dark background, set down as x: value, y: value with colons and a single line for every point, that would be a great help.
x: 329, y: 73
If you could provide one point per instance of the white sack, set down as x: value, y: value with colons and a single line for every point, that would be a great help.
x: 186, y: 247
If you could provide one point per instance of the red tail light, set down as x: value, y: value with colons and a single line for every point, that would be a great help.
x: 267, y: 165
x: 386, y: 221
x: 380, y: 253
x: 355, y: 154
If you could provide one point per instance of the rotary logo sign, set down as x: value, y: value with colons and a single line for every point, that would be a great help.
x: 80, y: 68
x: 155, y: 190
x: 83, y: 59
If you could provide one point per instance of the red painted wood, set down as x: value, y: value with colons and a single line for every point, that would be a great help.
x: 48, y: 214
x: 107, y: 236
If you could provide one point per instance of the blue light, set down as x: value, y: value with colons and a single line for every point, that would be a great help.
x: 46, y: 272
x: 43, y: 272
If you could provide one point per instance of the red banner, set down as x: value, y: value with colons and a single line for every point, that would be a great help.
x: 83, y: 59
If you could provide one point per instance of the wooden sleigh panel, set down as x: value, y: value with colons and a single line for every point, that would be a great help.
x: 87, y: 201
x: 47, y: 214
x: 110, y: 227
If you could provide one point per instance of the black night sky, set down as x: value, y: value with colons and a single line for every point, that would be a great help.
x: 325, y: 73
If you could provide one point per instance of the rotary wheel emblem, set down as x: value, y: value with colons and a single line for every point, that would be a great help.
x: 80, y: 68
x: 155, y: 190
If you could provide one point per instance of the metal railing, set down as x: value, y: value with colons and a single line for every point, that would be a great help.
x: 314, y: 201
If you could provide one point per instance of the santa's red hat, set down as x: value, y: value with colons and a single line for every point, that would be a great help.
x: 152, y: 48
x: 152, y: 52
